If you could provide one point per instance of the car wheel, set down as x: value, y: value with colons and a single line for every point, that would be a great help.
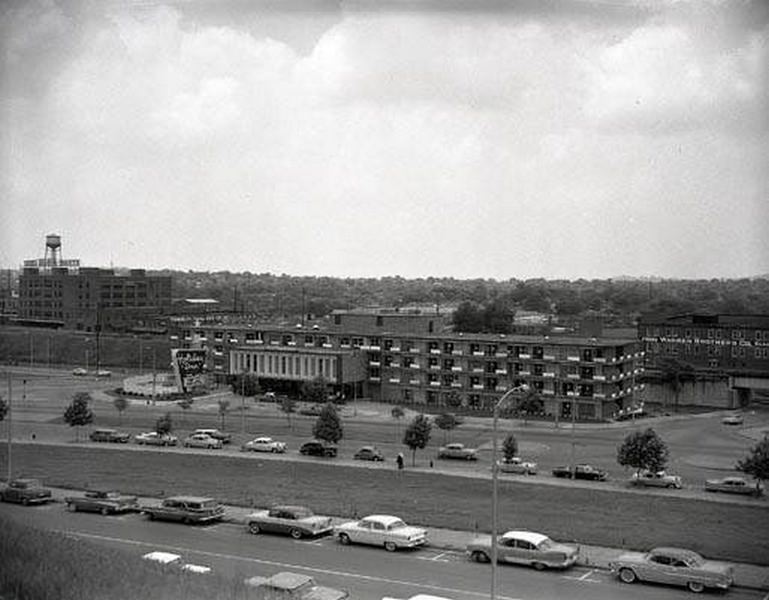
x: 151, y: 516
x: 344, y: 538
x: 670, y: 486
x: 72, y: 507
x: 296, y: 533
x: 390, y: 546
x: 25, y: 501
x: 479, y: 556
x: 104, y: 511
x: 539, y: 566
x: 274, y: 450
x: 186, y: 521
x: 695, y: 586
x: 254, y: 528
x: 627, y: 575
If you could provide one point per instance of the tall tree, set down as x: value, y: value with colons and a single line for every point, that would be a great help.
x: 510, y: 447
x: 78, y: 413
x: 328, y: 426
x: 453, y: 399
x: 643, y: 450
x: 417, y: 435
x: 397, y: 413
x: 446, y: 422
x: 315, y: 391
x: 120, y: 403
x: 756, y: 464
x: 288, y: 406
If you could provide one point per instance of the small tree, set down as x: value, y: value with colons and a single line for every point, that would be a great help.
x: 756, y: 463
x: 185, y: 403
x: 120, y: 404
x: 510, y: 447
x: 78, y: 413
x: 530, y: 403
x: 397, y: 413
x: 328, y: 426
x: 453, y: 399
x: 246, y: 384
x: 643, y: 450
x: 164, y: 425
x: 417, y: 435
x: 224, y: 406
x: 315, y: 391
x: 446, y: 422
x: 288, y: 406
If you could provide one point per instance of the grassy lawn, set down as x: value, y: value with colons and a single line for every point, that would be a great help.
x: 591, y: 516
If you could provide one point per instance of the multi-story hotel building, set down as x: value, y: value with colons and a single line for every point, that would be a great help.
x: 61, y: 293
x: 411, y: 358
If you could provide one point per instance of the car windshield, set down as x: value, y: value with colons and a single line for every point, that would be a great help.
x: 396, y: 524
x: 545, y: 544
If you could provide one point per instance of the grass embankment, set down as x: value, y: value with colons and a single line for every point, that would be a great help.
x: 591, y: 516
x: 42, y: 565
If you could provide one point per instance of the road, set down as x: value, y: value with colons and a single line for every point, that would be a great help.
x: 368, y: 573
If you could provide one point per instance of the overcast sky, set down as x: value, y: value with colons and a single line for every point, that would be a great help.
x: 468, y: 139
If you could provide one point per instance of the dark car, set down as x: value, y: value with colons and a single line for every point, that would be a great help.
x: 110, y: 435
x: 296, y: 521
x: 186, y: 509
x: 581, y: 472
x: 318, y: 448
x: 25, y: 491
x: 369, y: 453
x: 311, y: 411
x: 102, y: 501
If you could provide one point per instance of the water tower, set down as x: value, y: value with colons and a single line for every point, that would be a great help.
x: 52, y: 250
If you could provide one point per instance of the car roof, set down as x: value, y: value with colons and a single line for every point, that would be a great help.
x: 372, y: 448
x: 103, y: 429
x: 385, y: 519
x: 291, y: 507
x: 671, y: 551
x: 26, y: 480
x: 288, y: 580
x: 191, y: 498
x: 162, y: 557
x: 740, y: 479
x: 529, y: 536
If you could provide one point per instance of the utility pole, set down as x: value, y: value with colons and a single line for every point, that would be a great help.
x: 10, y: 426
x: 242, y: 403
x: 154, y: 374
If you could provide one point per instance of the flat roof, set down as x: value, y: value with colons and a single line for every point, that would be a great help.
x: 529, y: 536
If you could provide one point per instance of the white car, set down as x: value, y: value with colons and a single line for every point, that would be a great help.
x: 169, y: 558
x: 201, y: 440
x: 381, y: 530
x: 658, y: 479
x: 264, y: 444
x: 517, y: 465
x: 79, y: 371
x: 153, y: 438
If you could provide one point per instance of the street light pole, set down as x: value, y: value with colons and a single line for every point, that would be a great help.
x: 10, y: 426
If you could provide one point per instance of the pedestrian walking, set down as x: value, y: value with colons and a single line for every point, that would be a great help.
x: 399, y: 460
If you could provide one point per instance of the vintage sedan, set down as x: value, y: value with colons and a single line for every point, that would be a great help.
x: 587, y: 472
x: 525, y: 548
x: 517, y: 465
x: 318, y: 448
x: 381, y: 530
x: 296, y: 521
x: 79, y: 371
x: 371, y: 453
x: 291, y: 586
x: 175, y: 561
x: 25, y: 491
x: 656, y: 479
x: 105, y: 502
x: 735, y: 419
x: 202, y: 440
x: 673, y: 566
x: 264, y: 444
x: 186, y: 509
x: 224, y: 438
x: 153, y: 438
x: 733, y: 485
x: 110, y: 435
x: 458, y: 451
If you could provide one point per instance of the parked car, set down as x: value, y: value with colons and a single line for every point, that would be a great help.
x: 381, y: 530
x: 186, y: 509
x: 105, y: 502
x: 291, y: 586
x: 658, y: 479
x: 735, y: 419
x: 296, y: 521
x: 456, y: 450
x: 264, y: 444
x: 25, y: 491
x: 369, y: 453
x: 311, y: 411
x: 110, y: 435
x: 733, y: 485
x: 517, y: 465
x: 581, y: 472
x: 153, y: 438
x: 673, y: 566
x: 525, y: 548
x: 224, y: 438
x: 202, y: 440
x: 175, y: 560
x: 318, y: 448
x: 79, y: 371
x: 103, y: 373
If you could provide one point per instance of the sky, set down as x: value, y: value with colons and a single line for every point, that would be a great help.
x: 538, y: 138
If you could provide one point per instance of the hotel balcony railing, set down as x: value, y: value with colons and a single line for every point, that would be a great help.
x: 478, y: 353
x: 435, y: 367
x: 375, y: 379
x: 501, y: 371
x: 524, y: 373
x: 435, y: 383
x: 374, y: 363
x: 548, y: 357
x: 548, y: 392
x: 548, y: 374
x: 394, y: 380
x: 395, y: 349
x: 501, y: 388
x: 456, y: 368
x: 599, y: 377
x: 456, y: 352
x: 414, y: 366
x: 435, y: 350
x: 599, y: 359
x: 477, y: 369
x: 572, y: 376
x: 501, y: 355
x: 524, y: 356
x: 414, y: 382
x: 478, y: 386
x: 573, y: 358
x: 456, y: 384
